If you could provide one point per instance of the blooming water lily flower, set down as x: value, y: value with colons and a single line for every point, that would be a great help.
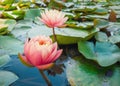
x: 53, y: 18
x: 40, y: 52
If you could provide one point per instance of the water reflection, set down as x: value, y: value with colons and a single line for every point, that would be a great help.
x: 32, y: 77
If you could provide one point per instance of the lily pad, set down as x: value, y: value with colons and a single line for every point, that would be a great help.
x: 32, y: 13
x: 11, y: 44
x: 7, y: 78
x: 114, y: 39
x: 82, y: 72
x: 104, y: 53
x: 4, y: 2
x: 94, y: 16
x: 101, y: 23
x: 114, y: 30
x: 101, y: 36
x: 4, y: 59
x: 77, y: 25
x: 101, y: 11
x: 16, y: 14
x: 70, y: 34
x: 6, y: 25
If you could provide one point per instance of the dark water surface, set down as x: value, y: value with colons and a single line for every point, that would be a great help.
x: 31, y: 76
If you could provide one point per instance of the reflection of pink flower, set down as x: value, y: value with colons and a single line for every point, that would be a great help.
x: 53, y: 18
x: 40, y: 52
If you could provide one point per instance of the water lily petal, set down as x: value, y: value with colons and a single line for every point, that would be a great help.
x: 45, y: 66
x: 24, y: 60
x: 53, y: 18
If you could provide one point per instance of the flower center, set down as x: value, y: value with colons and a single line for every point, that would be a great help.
x: 42, y: 42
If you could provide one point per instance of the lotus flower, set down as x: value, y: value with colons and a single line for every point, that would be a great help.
x: 40, y: 52
x: 53, y: 18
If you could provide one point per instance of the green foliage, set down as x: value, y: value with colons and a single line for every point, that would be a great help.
x: 104, y: 53
x: 4, y: 59
x: 11, y: 45
x: 82, y: 72
x: 7, y: 78
x: 32, y: 14
x: 6, y: 25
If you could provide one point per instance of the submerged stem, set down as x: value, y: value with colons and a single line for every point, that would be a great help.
x: 45, y: 78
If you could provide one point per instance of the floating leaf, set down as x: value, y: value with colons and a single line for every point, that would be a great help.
x: 6, y: 25
x: 84, y: 9
x: 101, y: 36
x: 4, y: 59
x: 11, y: 44
x: 101, y: 11
x: 114, y: 29
x: 114, y: 39
x: 104, y: 53
x: 16, y: 14
x: 100, y: 23
x: 72, y: 35
x: 82, y: 72
x: 63, y: 34
x: 32, y: 13
x: 7, y: 78
x: 4, y: 2
x: 94, y: 16
x: 56, y: 4
x: 77, y: 25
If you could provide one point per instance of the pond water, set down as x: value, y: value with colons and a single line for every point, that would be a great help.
x: 31, y: 76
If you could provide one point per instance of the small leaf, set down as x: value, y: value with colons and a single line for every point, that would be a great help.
x: 101, y: 11
x: 101, y: 36
x: 7, y: 78
x: 114, y: 39
x: 100, y: 23
x: 4, y: 60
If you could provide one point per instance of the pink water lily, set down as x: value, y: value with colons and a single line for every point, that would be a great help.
x: 40, y: 52
x: 53, y: 18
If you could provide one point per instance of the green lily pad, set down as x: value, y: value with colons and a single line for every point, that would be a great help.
x: 63, y: 34
x: 56, y: 4
x: 82, y: 72
x: 104, y: 53
x: 6, y: 25
x: 114, y: 30
x: 100, y: 23
x: 101, y: 36
x: 11, y: 24
x: 70, y: 34
x: 77, y: 25
x: 7, y: 78
x: 3, y: 27
x: 85, y: 9
x: 4, y: 2
x: 32, y: 13
x: 4, y: 59
x: 114, y: 39
x: 11, y: 44
x: 101, y: 11
x: 94, y: 16
x: 16, y: 14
